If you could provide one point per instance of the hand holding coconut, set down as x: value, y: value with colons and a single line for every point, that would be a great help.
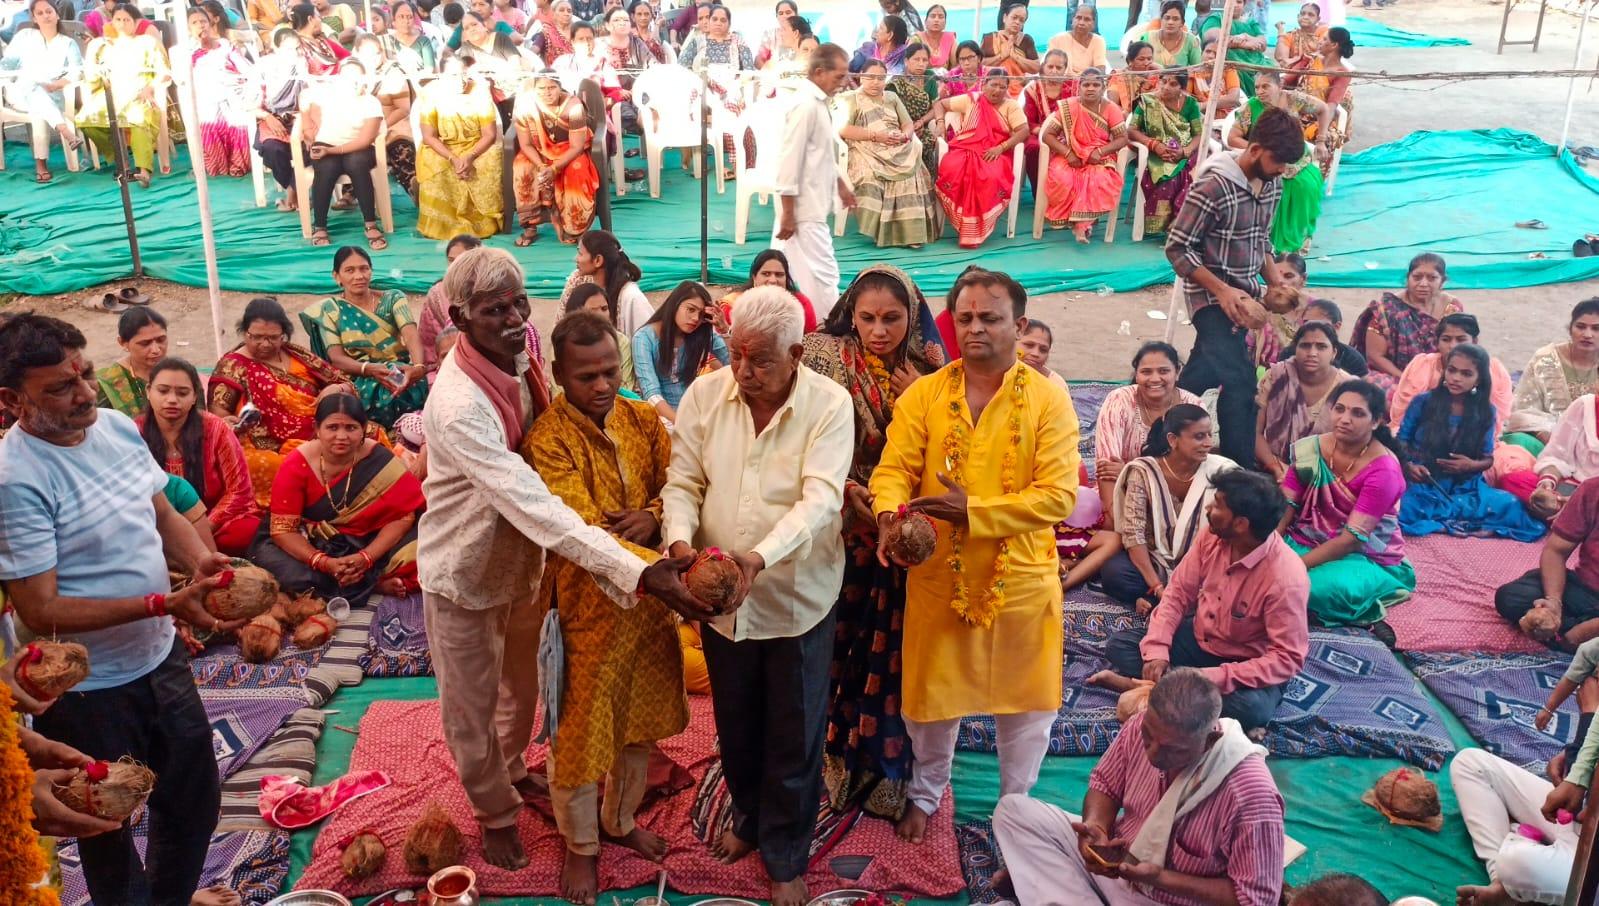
x: 25, y: 703
x: 52, y: 818
x: 663, y: 580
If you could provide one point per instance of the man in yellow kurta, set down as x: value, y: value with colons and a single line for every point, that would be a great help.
x: 605, y: 458
x: 988, y: 448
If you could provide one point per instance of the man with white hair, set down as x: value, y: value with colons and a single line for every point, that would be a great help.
x: 481, y: 544
x: 1181, y: 810
x: 759, y: 456
x: 808, y: 178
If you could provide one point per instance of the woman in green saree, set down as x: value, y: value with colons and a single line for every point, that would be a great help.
x: 917, y: 90
x: 142, y: 334
x: 370, y: 336
x: 1168, y: 122
x: 1303, y: 186
x: 1246, y: 42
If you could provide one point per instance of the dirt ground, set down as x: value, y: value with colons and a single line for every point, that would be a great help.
x: 1089, y: 343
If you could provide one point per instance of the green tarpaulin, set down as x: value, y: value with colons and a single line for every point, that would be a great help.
x: 1456, y: 193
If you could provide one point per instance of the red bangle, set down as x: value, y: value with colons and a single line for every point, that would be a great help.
x: 366, y: 557
x: 155, y: 605
x: 317, y: 558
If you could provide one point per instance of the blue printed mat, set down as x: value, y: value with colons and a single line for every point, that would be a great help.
x: 398, y: 643
x: 1497, y: 697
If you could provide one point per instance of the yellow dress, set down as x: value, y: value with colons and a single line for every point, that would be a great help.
x: 446, y: 204
x: 624, y: 667
x: 953, y: 668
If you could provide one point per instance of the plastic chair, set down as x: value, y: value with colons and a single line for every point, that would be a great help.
x: 1341, y: 119
x: 670, y: 104
x: 1123, y: 158
x: 380, y: 179
x: 848, y: 28
x: 39, y: 131
x: 765, y: 121
x: 1018, y: 166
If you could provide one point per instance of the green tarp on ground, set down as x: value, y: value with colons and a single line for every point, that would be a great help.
x: 1322, y: 795
x: 1455, y: 193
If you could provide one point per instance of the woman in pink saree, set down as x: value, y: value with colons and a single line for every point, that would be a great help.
x: 1084, y: 135
x: 977, y: 172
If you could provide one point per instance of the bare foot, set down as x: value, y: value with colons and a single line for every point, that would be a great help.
x: 580, y: 878
x: 1002, y: 885
x: 913, y: 826
x: 392, y: 587
x: 216, y: 895
x: 502, y: 848
x: 790, y: 893
x: 1492, y: 895
x: 1115, y: 682
x: 730, y: 848
x: 533, y: 786
x: 646, y: 843
x: 1582, y: 632
x: 1143, y: 606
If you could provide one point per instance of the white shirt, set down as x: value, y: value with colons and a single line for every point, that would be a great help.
x: 490, y: 516
x: 779, y: 494
x: 808, y: 168
x: 633, y: 309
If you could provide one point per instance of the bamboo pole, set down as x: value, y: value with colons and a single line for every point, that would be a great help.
x: 1571, y: 87
x: 188, y: 109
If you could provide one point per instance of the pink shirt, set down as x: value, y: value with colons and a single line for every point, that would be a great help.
x: 1252, y: 611
x: 1237, y: 833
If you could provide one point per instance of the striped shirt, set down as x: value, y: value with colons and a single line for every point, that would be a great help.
x: 1237, y: 833
x: 1224, y: 227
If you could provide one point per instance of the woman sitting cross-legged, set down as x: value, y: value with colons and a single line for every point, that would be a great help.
x: 1447, y: 438
x: 1085, y: 135
x: 769, y: 268
x: 1160, y: 505
x: 893, y: 192
x: 189, y: 441
x: 1425, y: 370
x: 344, y: 510
x: 340, y: 128
x: 555, y: 177
x: 1292, y: 402
x: 1396, y: 328
x: 1343, y: 491
x: 675, y: 346
x: 1555, y: 376
x: 976, y: 173
x: 121, y: 385
x: 1167, y: 121
x: 371, y: 336
x: 281, y: 381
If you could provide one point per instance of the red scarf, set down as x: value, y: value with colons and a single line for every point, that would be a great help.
x: 501, y: 388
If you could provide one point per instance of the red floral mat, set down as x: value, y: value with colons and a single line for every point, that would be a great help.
x: 1453, y: 607
x: 405, y: 739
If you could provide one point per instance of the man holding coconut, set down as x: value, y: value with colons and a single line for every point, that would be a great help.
x: 83, y: 524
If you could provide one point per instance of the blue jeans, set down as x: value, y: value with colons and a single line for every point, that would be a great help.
x: 1250, y: 707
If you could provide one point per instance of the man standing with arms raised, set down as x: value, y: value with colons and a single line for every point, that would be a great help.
x: 988, y: 448
x: 1220, y: 246
x: 481, y: 546
x: 807, y: 178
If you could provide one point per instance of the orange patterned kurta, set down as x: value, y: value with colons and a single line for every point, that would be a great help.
x: 624, y: 668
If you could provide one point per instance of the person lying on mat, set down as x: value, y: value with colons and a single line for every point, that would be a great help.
x: 1570, y: 458
x: 1234, y: 608
x: 1553, y: 604
x: 1142, y: 840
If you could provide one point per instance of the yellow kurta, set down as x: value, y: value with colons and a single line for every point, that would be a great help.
x: 951, y: 668
x: 624, y: 668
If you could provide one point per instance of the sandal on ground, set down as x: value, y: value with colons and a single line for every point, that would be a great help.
x: 132, y: 296
x: 1532, y: 225
x: 320, y: 237
x: 529, y: 234
x: 375, y: 240
x: 42, y: 176
x: 142, y: 177
x: 287, y: 206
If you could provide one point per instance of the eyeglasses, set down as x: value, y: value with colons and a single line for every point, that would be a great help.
x: 264, y: 338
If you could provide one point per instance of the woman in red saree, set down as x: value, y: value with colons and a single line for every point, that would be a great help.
x: 976, y: 173
x: 1038, y: 102
x: 344, y: 511
x: 1084, y: 135
x: 555, y: 178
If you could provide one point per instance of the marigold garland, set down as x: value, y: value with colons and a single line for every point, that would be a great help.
x: 24, y: 865
x: 957, y: 447
x: 881, y: 377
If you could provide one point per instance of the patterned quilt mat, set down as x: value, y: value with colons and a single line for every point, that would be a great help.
x: 254, y: 863
x: 1497, y: 697
x: 1353, y: 697
x: 405, y: 739
x: 398, y: 643
x: 1087, y: 397
x: 1453, y: 606
x: 980, y: 859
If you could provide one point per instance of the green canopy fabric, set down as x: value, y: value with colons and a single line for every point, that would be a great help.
x: 1459, y: 194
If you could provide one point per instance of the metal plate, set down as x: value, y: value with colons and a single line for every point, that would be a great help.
x: 840, y: 898
x: 310, y: 898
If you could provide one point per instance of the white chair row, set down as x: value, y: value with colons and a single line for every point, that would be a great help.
x: 39, y: 131
x: 1123, y: 158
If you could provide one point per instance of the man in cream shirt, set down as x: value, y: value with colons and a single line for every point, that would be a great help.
x: 808, y: 178
x: 759, y: 456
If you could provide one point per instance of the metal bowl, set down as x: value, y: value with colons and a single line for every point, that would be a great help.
x: 840, y: 898
x: 725, y: 901
x: 310, y: 898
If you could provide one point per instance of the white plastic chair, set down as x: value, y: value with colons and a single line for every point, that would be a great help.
x: 39, y: 131
x: 952, y: 122
x: 765, y: 122
x: 380, y: 179
x: 1220, y: 129
x: 1123, y: 158
x: 670, y: 104
x: 1341, y: 119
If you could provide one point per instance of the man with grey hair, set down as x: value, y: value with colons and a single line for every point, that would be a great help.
x: 1181, y: 810
x: 759, y: 456
x: 808, y: 178
x: 481, y: 546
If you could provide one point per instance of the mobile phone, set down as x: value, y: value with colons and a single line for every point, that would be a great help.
x: 1106, y: 855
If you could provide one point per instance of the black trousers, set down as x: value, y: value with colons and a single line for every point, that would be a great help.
x: 1122, y: 580
x: 770, y: 701
x: 1579, y: 604
x: 1220, y: 359
x: 277, y: 158
x: 159, y: 721
x: 326, y: 172
x: 1250, y: 707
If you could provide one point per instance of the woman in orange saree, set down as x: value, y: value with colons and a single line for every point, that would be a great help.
x: 555, y: 178
x: 976, y: 173
x: 1084, y: 135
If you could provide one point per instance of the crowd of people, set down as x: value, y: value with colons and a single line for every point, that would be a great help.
x: 928, y: 122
